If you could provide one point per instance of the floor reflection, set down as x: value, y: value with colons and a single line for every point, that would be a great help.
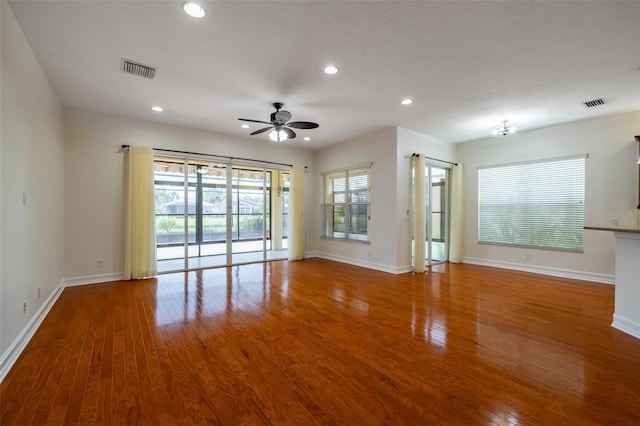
x: 529, y: 357
x: 354, y: 303
x: 428, y: 314
x: 509, y: 417
x: 435, y: 333
x: 209, y: 293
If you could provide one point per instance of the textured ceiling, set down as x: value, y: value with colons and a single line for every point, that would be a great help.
x: 466, y: 65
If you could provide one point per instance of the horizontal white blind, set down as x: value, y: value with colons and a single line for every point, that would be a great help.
x: 359, y: 185
x: 335, y: 187
x: 534, y: 205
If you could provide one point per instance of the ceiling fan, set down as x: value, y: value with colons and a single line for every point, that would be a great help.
x: 282, y: 127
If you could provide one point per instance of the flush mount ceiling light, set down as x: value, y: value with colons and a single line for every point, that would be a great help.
x: 157, y: 108
x: 406, y: 101
x: 278, y: 135
x: 505, y: 129
x: 193, y: 9
x: 331, y: 69
x: 307, y: 138
x: 245, y: 126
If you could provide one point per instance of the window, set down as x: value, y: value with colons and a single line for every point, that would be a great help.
x: 538, y: 205
x: 346, y: 204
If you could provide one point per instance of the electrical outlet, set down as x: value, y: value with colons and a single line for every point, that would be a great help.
x: 527, y: 256
x: 100, y: 263
x: 24, y: 308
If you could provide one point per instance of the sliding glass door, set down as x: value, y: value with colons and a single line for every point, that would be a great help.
x: 436, y: 203
x: 217, y: 214
x: 437, y: 214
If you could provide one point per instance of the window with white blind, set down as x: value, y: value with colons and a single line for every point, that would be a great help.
x: 346, y: 204
x: 539, y: 205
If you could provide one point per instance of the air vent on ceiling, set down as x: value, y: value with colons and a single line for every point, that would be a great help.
x: 594, y: 103
x: 138, y: 69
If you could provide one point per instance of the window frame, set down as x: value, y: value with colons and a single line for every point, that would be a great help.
x: 356, y: 200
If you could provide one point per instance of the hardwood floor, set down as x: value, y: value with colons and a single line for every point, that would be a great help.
x: 319, y: 342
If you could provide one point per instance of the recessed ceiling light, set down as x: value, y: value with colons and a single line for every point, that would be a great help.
x: 307, y: 138
x: 157, y: 108
x: 331, y: 69
x: 245, y: 126
x: 406, y: 101
x: 193, y: 9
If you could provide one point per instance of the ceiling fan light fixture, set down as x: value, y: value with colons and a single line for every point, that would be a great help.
x: 193, y: 9
x: 279, y: 127
x: 505, y: 129
x: 245, y: 126
x: 278, y: 135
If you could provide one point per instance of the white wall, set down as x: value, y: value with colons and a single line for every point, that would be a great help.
x: 611, y: 189
x: 380, y: 149
x: 31, y: 152
x: 410, y: 142
x: 93, y: 180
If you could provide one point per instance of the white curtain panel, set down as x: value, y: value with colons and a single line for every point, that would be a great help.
x: 140, y: 233
x: 276, y: 211
x: 296, y: 214
x: 457, y: 215
x: 419, y: 214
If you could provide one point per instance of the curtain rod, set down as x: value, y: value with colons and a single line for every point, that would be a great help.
x: 436, y: 159
x: 125, y: 147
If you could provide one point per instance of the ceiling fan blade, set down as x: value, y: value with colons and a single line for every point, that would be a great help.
x: 254, y: 121
x: 303, y: 125
x: 261, y: 130
x: 290, y: 133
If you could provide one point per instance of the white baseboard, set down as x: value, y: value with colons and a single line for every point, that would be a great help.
x: 404, y: 269
x: 356, y: 262
x: 92, y: 279
x: 14, y: 350
x: 544, y: 270
x: 12, y: 353
x: 626, y: 325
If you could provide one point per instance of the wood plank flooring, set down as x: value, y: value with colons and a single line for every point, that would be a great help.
x: 319, y: 342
